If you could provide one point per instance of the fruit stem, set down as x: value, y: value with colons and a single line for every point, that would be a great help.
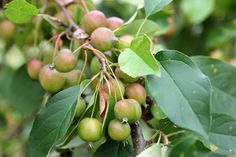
x: 176, y: 133
x: 81, y: 46
x: 159, y: 138
x: 91, y: 80
x: 84, y: 66
x: 122, y: 97
x: 46, y: 98
x: 45, y: 6
x: 138, y: 139
x: 96, y: 94
x: 108, y: 84
x: 85, y: 6
x: 57, y: 45
x: 91, y: 5
x: 164, y: 138
x: 101, y: 57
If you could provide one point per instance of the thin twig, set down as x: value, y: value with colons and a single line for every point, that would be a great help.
x: 68, y: 17
x: 83, y: 45
x: 85, y: 6
x: 51, y: 20
x: 72, y: 25
x: 176, y: 133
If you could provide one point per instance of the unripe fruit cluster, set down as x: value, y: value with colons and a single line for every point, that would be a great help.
x: 128, y: 94
x: 60, y: 74
x: 56, y: 72
x: 126, y: 111
x: 101, y: 30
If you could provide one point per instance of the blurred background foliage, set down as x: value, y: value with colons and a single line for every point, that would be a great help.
x: 195, y: 27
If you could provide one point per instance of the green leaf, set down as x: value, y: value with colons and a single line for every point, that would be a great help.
x: 189, y: 146
x: 197, y: 10
x: 223, y: 106
x: 52, y: 123
x: 25, y: 94
x: 182, y: 92
x: 138, y: 60
x: 153, y: 6
x: 20, y: 11
x: 114, y: 149
x: 149, y: 27
x: 153, y: 151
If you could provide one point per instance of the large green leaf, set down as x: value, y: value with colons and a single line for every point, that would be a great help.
x: 197, y: 10
x: 138, y: 60
x: 114, y: 149
x: 182, y: 92
x: 189, y: 146
x: 52, y: 123
x: 20, y: 11
x: 25, y: 94
x: 223, y: 102
x: 153, y: 6
x: 149, y: 27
